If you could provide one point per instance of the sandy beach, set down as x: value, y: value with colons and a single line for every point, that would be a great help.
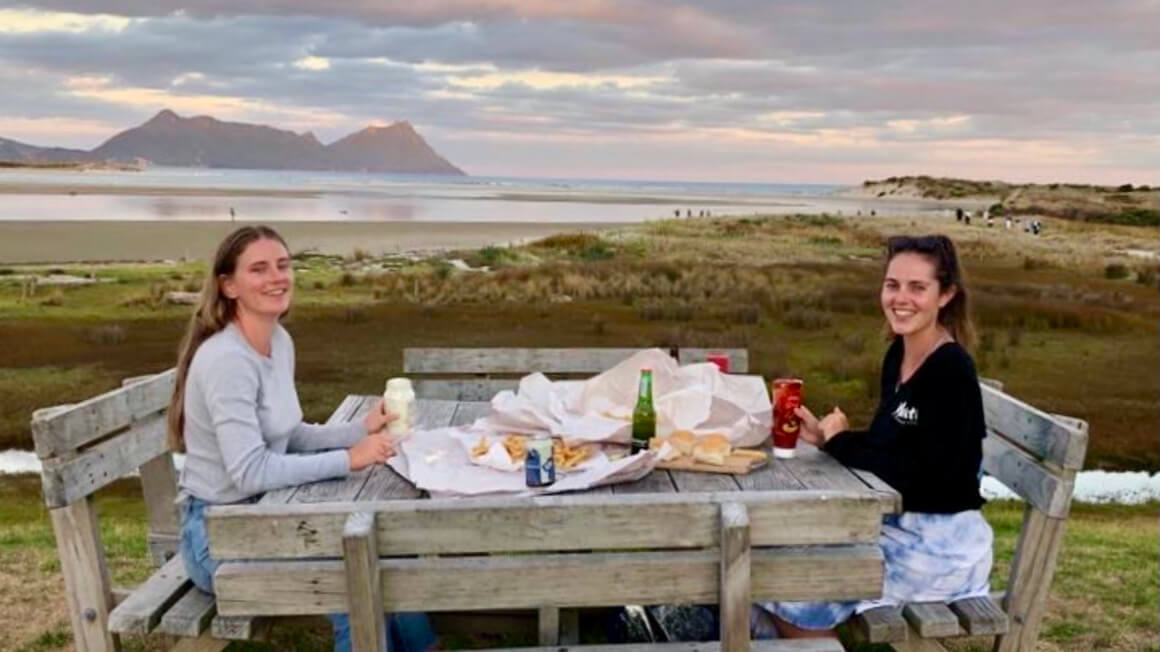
x: 76, y: 241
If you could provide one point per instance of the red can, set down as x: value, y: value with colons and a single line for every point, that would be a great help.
x: 787, y: 397
x: 719, y: 358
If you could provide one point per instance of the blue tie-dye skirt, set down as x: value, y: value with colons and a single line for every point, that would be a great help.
x: 929, y: 558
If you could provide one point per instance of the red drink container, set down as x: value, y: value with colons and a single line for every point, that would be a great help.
x: 787, y: 397
x: 720, y: 359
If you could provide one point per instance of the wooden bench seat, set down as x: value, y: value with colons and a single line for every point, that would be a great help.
x: 970, y: 617
x: 168, y: 603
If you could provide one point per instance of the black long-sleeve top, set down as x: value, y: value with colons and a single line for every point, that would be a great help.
x: 926, y: 439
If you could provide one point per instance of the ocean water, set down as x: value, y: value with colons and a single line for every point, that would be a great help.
x: 276, y: 195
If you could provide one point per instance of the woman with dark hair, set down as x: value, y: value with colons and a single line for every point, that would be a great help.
x: 925, y: 441
x: 235, y: 410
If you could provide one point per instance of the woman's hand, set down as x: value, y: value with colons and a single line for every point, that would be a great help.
x: 378, y: 418
x: 833, y: 423
x: 810, y: 431
x: 373, y: 449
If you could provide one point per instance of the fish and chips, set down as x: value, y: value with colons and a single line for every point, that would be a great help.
x: 565, y: 456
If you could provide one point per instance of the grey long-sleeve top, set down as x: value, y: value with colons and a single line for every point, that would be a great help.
x: 243, y: 423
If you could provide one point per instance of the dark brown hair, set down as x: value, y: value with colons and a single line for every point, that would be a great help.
x: 940, y: 251
x: 214, y: 312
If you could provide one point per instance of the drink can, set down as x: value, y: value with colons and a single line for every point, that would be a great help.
x: 787, y: 397
x: 719, y: 358
x: 540, y: 467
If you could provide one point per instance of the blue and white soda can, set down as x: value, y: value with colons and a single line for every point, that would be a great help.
x: 540, y: 468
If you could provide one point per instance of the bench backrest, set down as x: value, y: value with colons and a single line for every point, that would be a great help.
x: 84, y: 447
x: 88, y: 445
x: 1036, y: 455
x: 478, y: 374
x: 584, y: 550
x: 1033, y: 453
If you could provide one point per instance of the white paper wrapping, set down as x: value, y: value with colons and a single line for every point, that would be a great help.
x: 695, y: 397
x: 437, y: 462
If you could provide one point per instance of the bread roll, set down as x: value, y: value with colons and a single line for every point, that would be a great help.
x: 683, y: 441
x: 712, y: 449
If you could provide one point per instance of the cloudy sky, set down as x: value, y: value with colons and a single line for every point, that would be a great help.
x: 715, y: 90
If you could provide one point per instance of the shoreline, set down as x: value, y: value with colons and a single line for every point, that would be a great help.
x: 64, y: 241
x: 73, y: 189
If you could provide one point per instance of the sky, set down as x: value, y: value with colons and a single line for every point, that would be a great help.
x: 714, y: 90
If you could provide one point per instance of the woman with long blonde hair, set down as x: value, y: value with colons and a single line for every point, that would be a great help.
x: 235, y: 410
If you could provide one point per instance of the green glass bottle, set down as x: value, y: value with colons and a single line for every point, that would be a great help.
x: 644, y: 417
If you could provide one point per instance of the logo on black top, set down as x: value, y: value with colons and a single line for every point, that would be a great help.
x: 906, y: 415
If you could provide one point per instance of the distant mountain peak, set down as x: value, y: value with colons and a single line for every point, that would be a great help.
x: 205, y: 141
x: 164, y: 116
x: 401, y: 126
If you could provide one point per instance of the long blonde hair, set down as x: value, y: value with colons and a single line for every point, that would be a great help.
x: 214, y: 312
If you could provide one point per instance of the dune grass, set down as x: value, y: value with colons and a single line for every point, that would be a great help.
x: 799, y: 291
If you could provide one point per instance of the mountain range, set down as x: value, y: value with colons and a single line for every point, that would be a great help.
x: 202, y: 141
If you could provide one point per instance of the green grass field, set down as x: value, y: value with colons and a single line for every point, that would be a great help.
x: 799, y: 291
x: 1104, y: 596
x: 1067, y: 322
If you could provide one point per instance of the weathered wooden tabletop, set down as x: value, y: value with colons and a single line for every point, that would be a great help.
x: 810, y: 469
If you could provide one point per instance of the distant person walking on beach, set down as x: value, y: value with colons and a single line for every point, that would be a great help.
x: 958, y: 215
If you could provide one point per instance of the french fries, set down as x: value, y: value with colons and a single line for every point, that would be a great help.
x: 480, y: 449
x: 566, y: 457
x: 517, y: 447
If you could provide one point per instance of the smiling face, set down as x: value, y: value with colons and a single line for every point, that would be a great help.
x: 263, y: 280
x: 911, y: 296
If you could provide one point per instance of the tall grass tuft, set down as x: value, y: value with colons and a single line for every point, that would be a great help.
x: 806, y: 318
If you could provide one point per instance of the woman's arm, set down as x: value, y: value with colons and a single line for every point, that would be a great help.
x: 926, y: 457
x: 312, y: 437
x: 315, y: 437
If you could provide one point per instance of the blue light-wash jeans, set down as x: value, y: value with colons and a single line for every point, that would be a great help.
x: 407, y: 632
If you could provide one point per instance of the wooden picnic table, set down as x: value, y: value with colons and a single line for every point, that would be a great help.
x: 801, y: 529
x: 810, y: 469
x: 826, y: 517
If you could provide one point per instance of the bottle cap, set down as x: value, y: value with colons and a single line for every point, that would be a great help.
x: 398, y: 384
